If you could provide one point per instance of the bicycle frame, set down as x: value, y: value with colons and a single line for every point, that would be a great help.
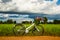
x: 28, y: 29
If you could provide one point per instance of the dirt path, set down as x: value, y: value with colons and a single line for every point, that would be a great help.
x: 30, y: 38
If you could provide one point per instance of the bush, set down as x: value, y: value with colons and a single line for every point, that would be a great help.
x: 26, y: 22
x: 1, y: 22
x: 56, y: 21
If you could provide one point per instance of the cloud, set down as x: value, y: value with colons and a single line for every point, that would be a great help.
x: 36, y: 6
x: 5, y: 1
x: 14, y: 16
x: 4, y: 15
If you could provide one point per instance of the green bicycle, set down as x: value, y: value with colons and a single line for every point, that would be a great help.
x: 21, y: 29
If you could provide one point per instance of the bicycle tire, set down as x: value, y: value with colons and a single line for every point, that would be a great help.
x: 19, y: 29
x: 40, y: 32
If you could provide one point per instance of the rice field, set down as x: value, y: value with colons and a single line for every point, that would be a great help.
x: 49, y: 29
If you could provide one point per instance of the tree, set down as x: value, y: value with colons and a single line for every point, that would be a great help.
x: 14, y: 22
x: 4, y: 22
x: 9, y: 21
x: 1, y: 22
x: 56, y: 21
x: 26, y: 22
x: 45, y: 20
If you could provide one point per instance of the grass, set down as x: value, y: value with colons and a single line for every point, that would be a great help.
x: 6, y: 29
x: 50, y: 29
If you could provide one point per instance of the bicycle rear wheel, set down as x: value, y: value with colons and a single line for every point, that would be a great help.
x: 19, y: 29
x: 38, y: 30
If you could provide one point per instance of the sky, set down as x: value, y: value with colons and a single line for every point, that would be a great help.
x: 15, y: 17
x: 35, y: 6
x: 58, y: 2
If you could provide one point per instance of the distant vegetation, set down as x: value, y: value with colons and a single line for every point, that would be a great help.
x: 50, y: 28
x: 54, y: 22
x: 10, y: 21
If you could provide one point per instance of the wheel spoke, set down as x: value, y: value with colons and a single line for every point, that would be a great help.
x: 19, y: 29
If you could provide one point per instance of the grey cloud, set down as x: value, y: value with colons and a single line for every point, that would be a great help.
x: 5, y: 1
x: 24, y: 5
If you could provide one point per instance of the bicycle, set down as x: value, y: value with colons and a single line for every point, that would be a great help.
x: 20, y: 29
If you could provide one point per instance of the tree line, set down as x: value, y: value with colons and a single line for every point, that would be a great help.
x: 54, y: 21
x: 10, y: 21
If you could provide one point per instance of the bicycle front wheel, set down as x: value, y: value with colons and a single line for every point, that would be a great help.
x: 19, y: 29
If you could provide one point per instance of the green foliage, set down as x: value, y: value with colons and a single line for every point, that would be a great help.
x: 1, y: 22
x: 50, y: 29
x: 9, y: 21
x: 14, y: 22
x: 45, y: 20
x: 27, y: 22
x: 56, y: 21
x: 6, y: 29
